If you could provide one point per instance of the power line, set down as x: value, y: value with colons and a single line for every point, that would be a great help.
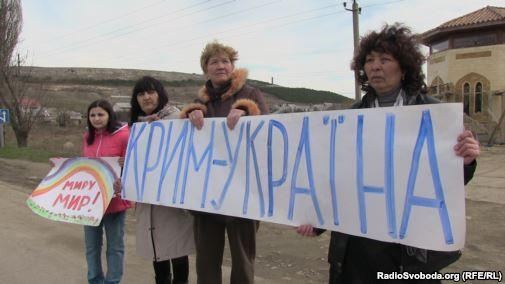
x: 382, y: 4
x: 246, y: 33
x: 179, y: 42
x: 265, y: 23
x: 356, y: 11
x: 86, y: 42
x: 232, y: 14
x: 206, y: 35
x: 242, y: 34
x: 72, y: 48
x: 135, y: 11
x: 195, y: 12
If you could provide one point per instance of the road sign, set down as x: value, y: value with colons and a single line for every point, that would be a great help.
x: 4, y: 115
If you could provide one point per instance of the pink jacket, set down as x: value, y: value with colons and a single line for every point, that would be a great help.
x: 109, y: 145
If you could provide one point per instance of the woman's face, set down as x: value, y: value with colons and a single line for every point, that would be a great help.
x: 383, y: 72
x: 148, y: 101
x: 219, y: 69
x: 98, y: 118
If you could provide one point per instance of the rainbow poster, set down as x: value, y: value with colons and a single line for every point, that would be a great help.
x: 76, y: 190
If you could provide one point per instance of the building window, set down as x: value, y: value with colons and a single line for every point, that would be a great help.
x: 440, y: 46
x: 474, y: 40
x: 466, y: 98
x: 478, y: 97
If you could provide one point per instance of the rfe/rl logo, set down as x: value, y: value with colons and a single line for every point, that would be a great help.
x: 4, y: 115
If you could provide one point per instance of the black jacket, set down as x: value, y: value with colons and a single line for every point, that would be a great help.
x: 357, y: 260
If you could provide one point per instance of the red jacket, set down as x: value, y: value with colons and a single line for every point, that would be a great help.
x: 109, y: 145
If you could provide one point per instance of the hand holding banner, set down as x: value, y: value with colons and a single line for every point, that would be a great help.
x: 76, y: 190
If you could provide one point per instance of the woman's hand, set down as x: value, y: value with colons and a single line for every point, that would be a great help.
x: 468, y: 147
x: 196, y: 118
x: 121, y: 161
x: 151, y: 118
x: 233, y: 117
x: 117, y: 187
x: 306, y: 230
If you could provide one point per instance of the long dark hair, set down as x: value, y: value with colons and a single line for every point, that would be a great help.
x: 397, y: 40
x: 112, y: 125
x: 146, y: 84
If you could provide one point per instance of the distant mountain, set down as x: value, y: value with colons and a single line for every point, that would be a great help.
x: 74, y: 88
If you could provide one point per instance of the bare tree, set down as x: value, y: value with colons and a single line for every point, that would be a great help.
x: 13, y: 86
x: 11, y: 23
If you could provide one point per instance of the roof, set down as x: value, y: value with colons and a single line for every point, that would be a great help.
x: 487, y: 16
x: 122, y: 105
x: 28, y: 102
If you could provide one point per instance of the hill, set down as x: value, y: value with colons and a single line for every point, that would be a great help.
x: 74, y: 88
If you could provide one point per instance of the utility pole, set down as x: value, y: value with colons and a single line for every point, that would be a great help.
x: 19, y: 66
x: 356, y: 10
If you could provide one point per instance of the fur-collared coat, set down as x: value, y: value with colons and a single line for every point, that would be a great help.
x: 163, y: 232
x: 240, y: 95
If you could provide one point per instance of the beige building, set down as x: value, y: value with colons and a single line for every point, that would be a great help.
x: 467, y: 64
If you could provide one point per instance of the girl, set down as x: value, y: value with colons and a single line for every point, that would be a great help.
x: 106, y: 137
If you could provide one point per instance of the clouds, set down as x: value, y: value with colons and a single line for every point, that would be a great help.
x: 300, y: 43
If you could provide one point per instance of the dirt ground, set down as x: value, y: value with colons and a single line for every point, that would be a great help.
x: 282, y: 255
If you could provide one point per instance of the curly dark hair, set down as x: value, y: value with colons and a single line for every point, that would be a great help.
x: 398, y: 41
x: 145, y: 84
x: 112, y: 124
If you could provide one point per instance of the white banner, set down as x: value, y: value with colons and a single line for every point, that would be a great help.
x: 389, y: 174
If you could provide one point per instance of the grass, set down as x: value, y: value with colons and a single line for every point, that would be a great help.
x: 303, y: 95
x: 30, y: 154
x: 44, y: 142
x: 109, y: 82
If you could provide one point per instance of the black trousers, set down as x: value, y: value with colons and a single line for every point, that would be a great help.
x: 179, y: 266
x: 364, y: 258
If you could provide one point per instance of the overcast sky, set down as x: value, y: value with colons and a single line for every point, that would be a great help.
x: 301, y: 43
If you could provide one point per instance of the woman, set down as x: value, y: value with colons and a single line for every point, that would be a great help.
x: 225, y: 94
x: 164, y: 234
x: 389, y: 63
x: 106, y: 137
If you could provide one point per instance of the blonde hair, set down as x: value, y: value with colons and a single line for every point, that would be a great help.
x: 215, y: 48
